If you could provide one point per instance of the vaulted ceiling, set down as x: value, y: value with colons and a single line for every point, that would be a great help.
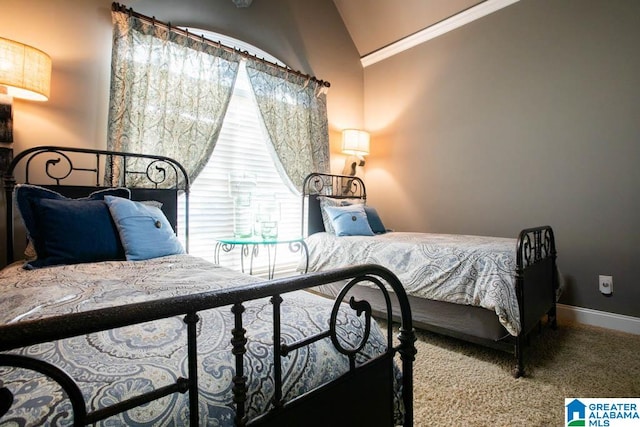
x: 374, y: 24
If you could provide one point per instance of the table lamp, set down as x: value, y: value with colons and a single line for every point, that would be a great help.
x: 25, y: 72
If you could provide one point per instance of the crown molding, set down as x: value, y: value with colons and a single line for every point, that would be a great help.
x: 456, y: 21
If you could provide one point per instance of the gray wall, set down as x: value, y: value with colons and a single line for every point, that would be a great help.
x: 528, y: 116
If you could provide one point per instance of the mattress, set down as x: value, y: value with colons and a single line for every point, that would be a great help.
x: 460, y: 269
x: 118, y: 364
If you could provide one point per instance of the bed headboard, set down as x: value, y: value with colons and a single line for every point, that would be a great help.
x: 77, y: 172
x: 330, y: 185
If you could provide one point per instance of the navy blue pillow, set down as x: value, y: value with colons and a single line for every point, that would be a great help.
x: 75, y: 231
x: 36, y: 218
x: 374, y: 220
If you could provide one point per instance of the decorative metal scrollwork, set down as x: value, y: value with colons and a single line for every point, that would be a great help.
x: 52, y: 167
x: 301, y: 246
x: 317, y: 185
x: 334, y: 185
x: 157, y: 172
x: 534, y: 245
x: 49, y: 370
x: 359, y: 307
x: 351, y: 187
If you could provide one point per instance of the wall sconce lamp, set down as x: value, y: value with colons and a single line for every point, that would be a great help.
x: 25, y: 72
x: 355, y: 143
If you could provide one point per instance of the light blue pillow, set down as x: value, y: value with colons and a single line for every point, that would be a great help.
x: 326, y: 201
x: 349, y: 220
x: 144, y: 230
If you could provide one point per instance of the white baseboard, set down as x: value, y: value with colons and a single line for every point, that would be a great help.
x: 603, y: 319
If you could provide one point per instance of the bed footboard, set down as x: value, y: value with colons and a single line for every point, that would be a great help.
x: 374, y: 380
x: 536, y: 283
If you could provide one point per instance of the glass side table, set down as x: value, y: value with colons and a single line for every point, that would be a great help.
x: 250, y: 248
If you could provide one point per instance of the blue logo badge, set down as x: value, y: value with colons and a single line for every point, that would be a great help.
x: 602, y: 412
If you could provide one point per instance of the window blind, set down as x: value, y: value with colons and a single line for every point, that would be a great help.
x: 241, y: 147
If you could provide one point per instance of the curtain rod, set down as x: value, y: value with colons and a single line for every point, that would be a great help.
x: 117, y: 7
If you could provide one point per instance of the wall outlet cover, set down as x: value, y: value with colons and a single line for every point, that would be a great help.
x: 605, y: 284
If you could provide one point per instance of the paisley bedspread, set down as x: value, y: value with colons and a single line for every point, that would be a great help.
x: 118, y: 364
x: 461, y: 269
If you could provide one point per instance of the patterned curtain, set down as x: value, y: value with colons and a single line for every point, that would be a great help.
x: 169, y: 94
x: 294, y: 110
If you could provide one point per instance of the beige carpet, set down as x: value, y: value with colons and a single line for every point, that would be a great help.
x: 462, y: 384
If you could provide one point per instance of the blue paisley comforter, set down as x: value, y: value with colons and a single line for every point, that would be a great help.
x: 461, y: 269
x: 119, y: 364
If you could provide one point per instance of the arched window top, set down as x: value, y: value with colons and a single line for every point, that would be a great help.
x: 236, y: 44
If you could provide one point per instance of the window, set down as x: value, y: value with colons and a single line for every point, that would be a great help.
x: 242, y: 146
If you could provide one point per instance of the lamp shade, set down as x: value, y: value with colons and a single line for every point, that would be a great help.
x: 355, y: 142
x: 25, y: 71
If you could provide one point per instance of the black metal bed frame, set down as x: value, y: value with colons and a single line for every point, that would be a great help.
x: 164, y: 178
x: 345, y: 396
x: 535, y: 276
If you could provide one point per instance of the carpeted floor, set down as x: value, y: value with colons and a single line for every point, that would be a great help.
x: 462, y: 384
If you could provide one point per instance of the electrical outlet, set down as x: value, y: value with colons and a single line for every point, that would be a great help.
x: 606, y: 284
